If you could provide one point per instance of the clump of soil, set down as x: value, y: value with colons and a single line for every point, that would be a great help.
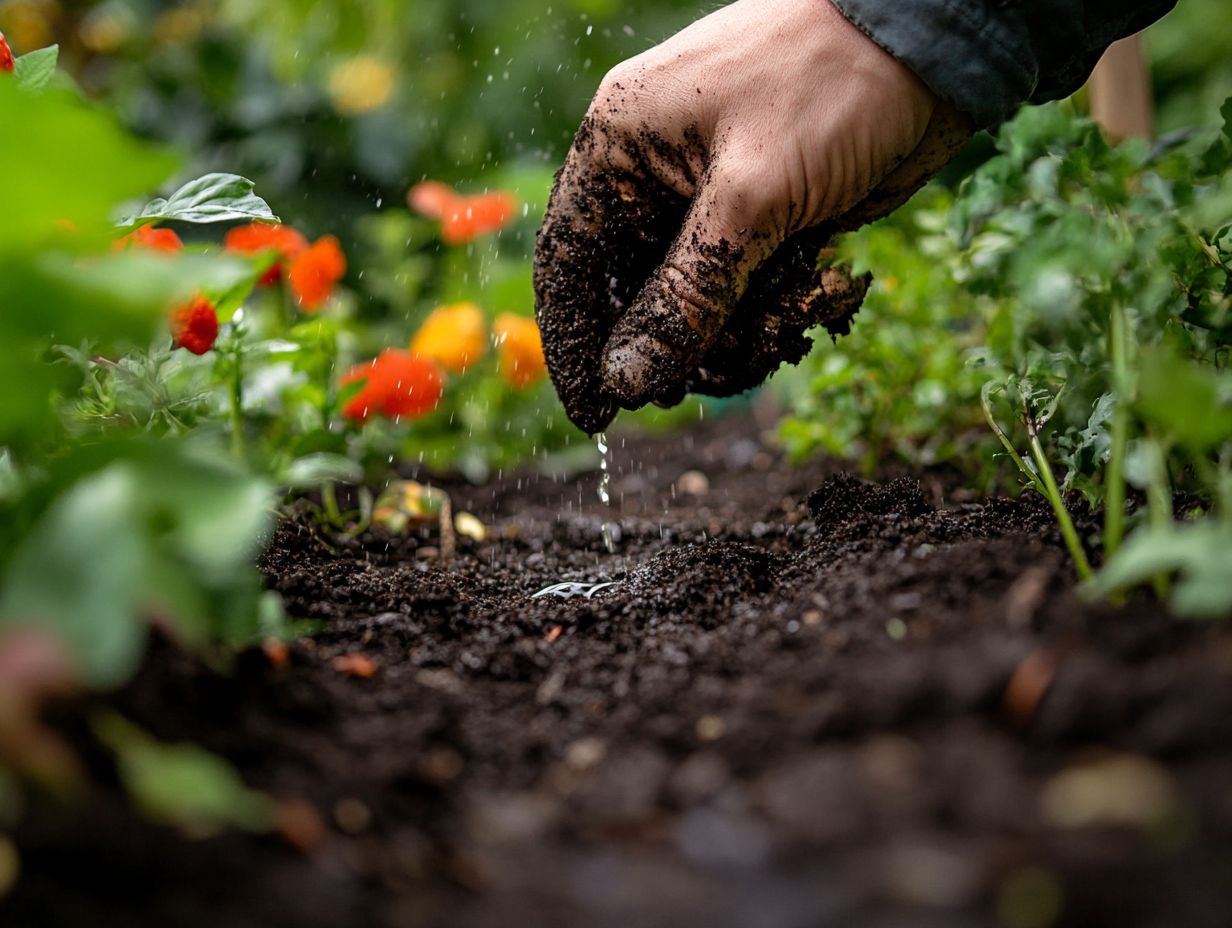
x: 807, y: 700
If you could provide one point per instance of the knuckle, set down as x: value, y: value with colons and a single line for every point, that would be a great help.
x: 695, y: 298
x: 745, y: 190
x: 616, y: 89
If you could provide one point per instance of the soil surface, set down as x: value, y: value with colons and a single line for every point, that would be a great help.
x: 807, y: 700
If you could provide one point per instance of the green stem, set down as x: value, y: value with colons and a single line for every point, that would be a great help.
x: 1053, y: 494
x: 1009, y: 446
x: 237, y: 406
x: 1114, y: 490
x: 329, y: 501
x: 1159, y: 506
x: 1044, y: 483
x: 329, y: 392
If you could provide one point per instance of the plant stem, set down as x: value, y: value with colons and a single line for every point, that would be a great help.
x: 1159, y: 505
x: 1114, y: 495
x: 1009, y: 446
x: 237, y: 406
x: 329, y: 502
x: 1044, y: 482
x: 1068, y: 532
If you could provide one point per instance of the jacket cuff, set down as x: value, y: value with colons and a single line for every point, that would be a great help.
x: 981, y: 65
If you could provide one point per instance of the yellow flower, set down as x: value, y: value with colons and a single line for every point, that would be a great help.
x: 361, y: 84
x: 520, y: 348
x: 30, y: 24
x: 454, y: 336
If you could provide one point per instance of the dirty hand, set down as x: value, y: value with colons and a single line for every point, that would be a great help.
x: 712, y: 168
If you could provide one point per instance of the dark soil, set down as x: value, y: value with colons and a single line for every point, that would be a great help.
x: 809, y: 701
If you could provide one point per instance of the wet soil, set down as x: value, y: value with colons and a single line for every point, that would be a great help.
x: 808, y: 700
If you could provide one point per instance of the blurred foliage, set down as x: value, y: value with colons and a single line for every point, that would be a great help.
x: 353, y: 101
x: 900, y: 385
x: 1190, y: 52
x: 109, y: 532
x: 1081, y: 293
x: 162, y: 529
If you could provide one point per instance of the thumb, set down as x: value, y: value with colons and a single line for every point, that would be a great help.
x: 731, y: 228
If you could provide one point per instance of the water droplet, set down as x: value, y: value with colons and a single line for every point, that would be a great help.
x: 604, y: 490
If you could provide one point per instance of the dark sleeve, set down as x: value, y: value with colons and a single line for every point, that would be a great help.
x: 987, y: 57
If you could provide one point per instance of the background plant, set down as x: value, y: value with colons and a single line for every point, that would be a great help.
x: 1078, y: 292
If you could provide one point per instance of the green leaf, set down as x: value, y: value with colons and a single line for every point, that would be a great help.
x: 1200, y: 553
x: 1184, y: 400
x: 312, y: 470
x: 79, y: 574
x: 183, y: 785
x: 75, y: 163
x: 1226, y: 112
x: 139, y: 529
x: 116, y: 299
x: 212, y: 198
x: 35, y: 70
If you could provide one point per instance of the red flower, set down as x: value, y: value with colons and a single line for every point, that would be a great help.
x: 259, y: 237
x: 194, y: 326
x: 396, y: 384
x: 151, y: 238
x: 6, y: 55
x: 315, y: 271
x: 462, y: 218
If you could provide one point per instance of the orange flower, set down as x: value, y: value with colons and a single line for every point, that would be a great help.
x: 6, y: 55
x: 520, y: 348
x: 151, y: 238
x: 431, y: 198
x: 454, y: 336
x: 194, y: 326
x: 396, y: 384
x: 315, y: 271
x: 463, y: 218
x: 259, y: 237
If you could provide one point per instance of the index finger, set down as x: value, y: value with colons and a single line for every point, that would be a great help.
x: 604, y: 231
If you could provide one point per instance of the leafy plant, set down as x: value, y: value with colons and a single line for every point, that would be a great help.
x: 1079, y: 294
x: 108, y: 531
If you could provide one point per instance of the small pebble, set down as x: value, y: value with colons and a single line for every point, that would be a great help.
x: 352, y: 816
x: 470, y: 526
x: 710, y: 728
x: 693, y: 483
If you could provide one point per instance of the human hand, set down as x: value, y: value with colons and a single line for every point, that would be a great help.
x: 680, y: 250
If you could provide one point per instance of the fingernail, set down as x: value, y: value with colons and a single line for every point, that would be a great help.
x: 673, y: 397
x: 637, y: 369
x: 595, y: 417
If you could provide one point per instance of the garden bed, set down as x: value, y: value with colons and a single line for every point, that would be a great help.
x: 808, y: 700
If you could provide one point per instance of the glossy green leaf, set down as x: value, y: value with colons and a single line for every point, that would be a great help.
x: 212, y: 198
